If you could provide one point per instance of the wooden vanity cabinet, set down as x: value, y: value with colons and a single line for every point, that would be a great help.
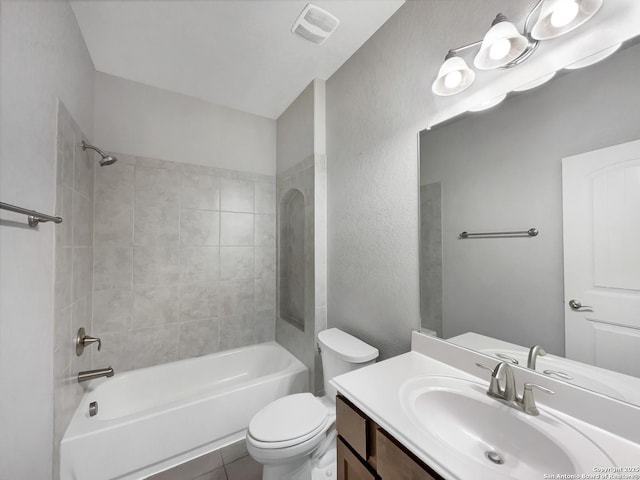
x: 350, y: 466
x: 367, y: 452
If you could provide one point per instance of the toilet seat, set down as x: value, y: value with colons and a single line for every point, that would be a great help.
x: 288, y: 421
x: 293, y: 434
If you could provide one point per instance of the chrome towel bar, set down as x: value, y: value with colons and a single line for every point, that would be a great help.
x: 34, y: 217
x: 532, y: 232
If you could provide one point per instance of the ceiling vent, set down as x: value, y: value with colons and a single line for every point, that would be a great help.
x: 314, y: 24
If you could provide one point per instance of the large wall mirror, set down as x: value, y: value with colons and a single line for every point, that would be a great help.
x: 501, y: 170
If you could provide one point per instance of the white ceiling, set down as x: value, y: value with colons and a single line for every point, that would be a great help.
x: 236, y: 53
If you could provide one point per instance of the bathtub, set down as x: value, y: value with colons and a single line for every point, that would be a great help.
x: 155, y: 418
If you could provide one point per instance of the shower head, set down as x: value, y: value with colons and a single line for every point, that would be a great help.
x: 108, y: 160
x: 105, y: 160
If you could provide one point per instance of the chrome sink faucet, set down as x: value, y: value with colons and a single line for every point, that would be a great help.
x: 507, y: 393
x: 537, y: 351
x: 534, y: 352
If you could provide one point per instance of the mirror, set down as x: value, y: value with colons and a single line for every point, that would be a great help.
x: 501, y: 170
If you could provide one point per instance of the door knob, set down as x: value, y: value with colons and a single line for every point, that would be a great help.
x: 576, y: 306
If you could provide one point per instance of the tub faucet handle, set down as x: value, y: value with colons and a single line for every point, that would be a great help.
x: 83, y: 340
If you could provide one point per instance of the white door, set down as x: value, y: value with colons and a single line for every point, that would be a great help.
x: 601, y: 208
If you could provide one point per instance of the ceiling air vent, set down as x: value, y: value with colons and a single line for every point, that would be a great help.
x: 314, y: 24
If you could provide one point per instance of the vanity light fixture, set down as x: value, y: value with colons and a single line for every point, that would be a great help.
x: 535, y: 83
x: 492, y: 102
x: 595, y: 58
x: 454, y: 76
x: 504, y: 47
x: 558, y: 17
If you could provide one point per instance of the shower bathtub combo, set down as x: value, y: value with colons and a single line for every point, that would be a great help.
x: 155, y: 418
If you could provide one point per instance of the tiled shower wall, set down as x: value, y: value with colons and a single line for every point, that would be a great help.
x: 309, y: 178
x: 73, y: 268
x: 431, y: 257
x: 184, y: 261
x: 291, y: 258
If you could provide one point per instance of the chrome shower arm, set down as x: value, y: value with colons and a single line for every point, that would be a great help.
x: 85, y: 145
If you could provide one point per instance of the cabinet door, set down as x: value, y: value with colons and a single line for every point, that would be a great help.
x: 351, y: 424
x: 395, y: 464
x: 350, y: 467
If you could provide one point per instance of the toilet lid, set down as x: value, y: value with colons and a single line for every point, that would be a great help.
x: 297, y: 416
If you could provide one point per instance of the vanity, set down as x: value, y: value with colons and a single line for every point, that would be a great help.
x: 426, y: 415
x: 366, y: 451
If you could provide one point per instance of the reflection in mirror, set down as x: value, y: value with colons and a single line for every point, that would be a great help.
x: 594, y: 378
x: 501, y: 170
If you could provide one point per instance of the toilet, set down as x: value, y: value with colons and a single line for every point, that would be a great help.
x: 295, y: 435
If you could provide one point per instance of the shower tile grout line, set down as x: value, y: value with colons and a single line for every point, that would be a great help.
x: 180, y: 262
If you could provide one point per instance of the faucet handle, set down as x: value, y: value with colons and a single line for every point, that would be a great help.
x: 83, y: 340
x: 528, y: 402
x: 88, y: 340
x: 486, y: 367
x: 557, y: 373
x: 504, y: 356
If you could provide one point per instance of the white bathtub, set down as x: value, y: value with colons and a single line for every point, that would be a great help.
x: 155, y: 418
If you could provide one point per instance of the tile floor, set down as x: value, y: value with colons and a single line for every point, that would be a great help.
x: 229, y: 463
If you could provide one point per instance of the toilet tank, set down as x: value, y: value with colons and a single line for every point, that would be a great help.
x: 342, y: 353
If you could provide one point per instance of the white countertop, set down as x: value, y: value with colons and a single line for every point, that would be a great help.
x: 375, y: 390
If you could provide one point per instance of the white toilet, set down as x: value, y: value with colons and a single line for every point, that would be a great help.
x: 293, y: 434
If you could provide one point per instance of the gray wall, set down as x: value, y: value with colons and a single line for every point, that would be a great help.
x: 298, y: 336
x: 43, y: 57
x: 184, y: 261
x: 73, y: 269
x: 150, y: 122
x: 377, y: 102
x: 295, y: 131
x: 302, y: 167
x: 501, y: 170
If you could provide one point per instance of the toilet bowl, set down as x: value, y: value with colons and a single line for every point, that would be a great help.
x: 284, y: 434
x: 291, y: 436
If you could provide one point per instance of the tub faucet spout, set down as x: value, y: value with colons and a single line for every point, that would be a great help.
x: 93, y: 374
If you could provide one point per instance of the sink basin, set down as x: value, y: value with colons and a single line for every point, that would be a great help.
x: 490, y: 439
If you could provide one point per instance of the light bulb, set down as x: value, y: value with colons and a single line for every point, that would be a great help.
x: 453, y: 79
x: 564, y: 13
x: 500, y: 49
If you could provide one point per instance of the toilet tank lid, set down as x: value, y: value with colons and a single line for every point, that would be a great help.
x: 346, y: 347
